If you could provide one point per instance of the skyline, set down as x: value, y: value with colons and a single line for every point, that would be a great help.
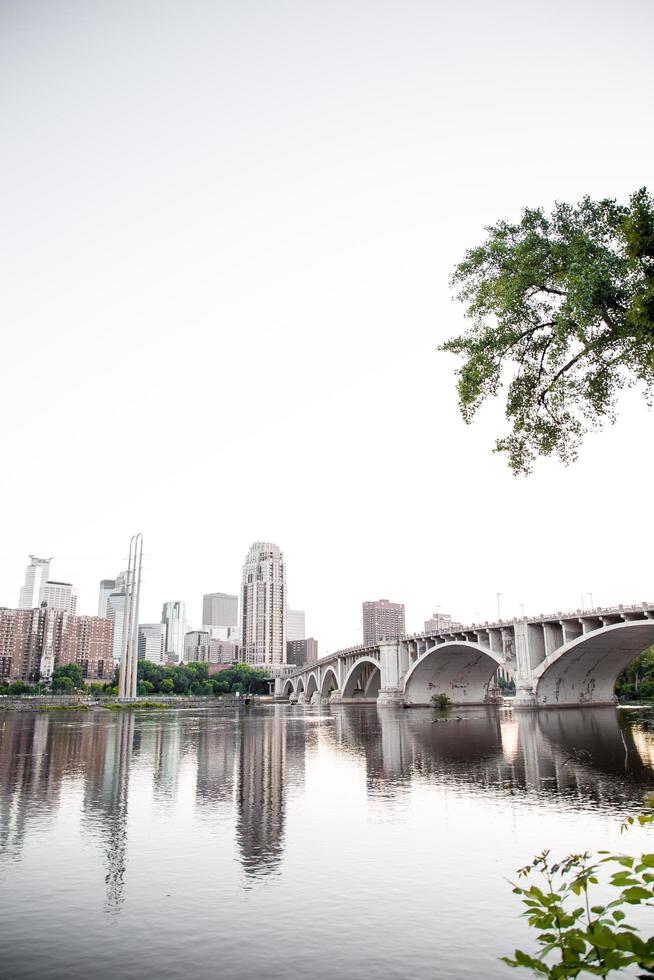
x: 228, y: 238
x: 586, y: 601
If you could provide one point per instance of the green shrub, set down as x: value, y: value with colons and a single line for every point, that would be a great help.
x: 441, y: 701
x: 576, y: 935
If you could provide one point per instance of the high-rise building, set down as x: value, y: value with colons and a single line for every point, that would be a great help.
x: 220, y: 609
x: 173, y: 616
x: 263, y: 605
x: 88, y: 643
x: 107, y: 586
x: 60, y: 595
x: 295, y: 625
x: 382, y: 619
x: 35, y: 641
x: 116, y: 603
x: 300, y: 652
x: 36, y: 575
x: 152, y: 642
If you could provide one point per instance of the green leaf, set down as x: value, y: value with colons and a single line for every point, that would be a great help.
x: 636, y: 895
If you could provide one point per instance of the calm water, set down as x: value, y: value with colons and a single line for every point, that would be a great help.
x: 292, y: 842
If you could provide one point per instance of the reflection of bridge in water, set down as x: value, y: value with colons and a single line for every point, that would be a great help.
x: 564, y: 659
x: 589, y: 755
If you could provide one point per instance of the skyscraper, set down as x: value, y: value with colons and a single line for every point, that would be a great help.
x: 263, y: 605
x: 107, y: 586
x: 173, y: 616
x: 116, y: 613
x: 60, y: 595
x: 36, y: 575
x: 382, y: 618
x: 295, y: 625
x: 220, y: 615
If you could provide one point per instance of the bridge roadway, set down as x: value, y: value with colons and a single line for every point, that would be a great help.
x: 556, y: 660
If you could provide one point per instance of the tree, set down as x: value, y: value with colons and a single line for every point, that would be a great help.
x: 562, y: 311
x: 66, y: 678
x: 20, y: 687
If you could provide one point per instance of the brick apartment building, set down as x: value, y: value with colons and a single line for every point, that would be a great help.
x: 35, y: 641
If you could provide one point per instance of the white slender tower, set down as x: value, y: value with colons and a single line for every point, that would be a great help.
x: 129, y: 654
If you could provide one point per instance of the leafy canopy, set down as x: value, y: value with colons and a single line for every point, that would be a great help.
x: 562, y: 311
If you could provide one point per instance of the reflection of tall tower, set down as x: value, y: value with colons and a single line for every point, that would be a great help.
x: 107, y: 761
x: 216, y: 762
x: 270, y: 760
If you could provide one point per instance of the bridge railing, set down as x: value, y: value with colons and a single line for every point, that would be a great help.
x: 456, y: 629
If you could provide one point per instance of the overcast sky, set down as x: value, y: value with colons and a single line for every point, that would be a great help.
x: 226, y: 238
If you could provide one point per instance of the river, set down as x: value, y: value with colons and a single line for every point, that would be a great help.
x: 288, y: 841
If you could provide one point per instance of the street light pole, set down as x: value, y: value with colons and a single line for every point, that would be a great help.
x: 497, y: 595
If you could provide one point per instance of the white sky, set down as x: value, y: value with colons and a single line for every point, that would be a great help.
x: 227, y: 232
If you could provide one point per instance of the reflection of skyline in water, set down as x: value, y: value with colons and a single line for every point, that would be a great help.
x: 248, y: 762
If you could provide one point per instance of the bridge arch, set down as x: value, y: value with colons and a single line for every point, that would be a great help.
x: 584, y: 671
x: 329, y: 682
x: 460, y: 669
x: 299, y: 685
x: 312, y: 685
x: 288, y: 688
x: 363, y: 679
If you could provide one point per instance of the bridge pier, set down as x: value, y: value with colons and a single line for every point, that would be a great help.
x: 390, y: 697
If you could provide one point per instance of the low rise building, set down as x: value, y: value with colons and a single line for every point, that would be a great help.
x: 152, y: 642
x: 201, y: 647
x: 441, y: 623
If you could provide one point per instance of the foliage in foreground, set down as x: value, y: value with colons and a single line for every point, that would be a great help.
x: 562, y: 310
x: 577, y: 934
x: 441, y: 700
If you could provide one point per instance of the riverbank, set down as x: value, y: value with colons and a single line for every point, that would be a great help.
x: 75, y: 703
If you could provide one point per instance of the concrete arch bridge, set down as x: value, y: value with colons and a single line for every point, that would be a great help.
x: 561, y: 659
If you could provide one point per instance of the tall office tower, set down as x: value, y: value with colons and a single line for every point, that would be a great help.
x: 295, y: 625
x: 36, y: 575
x: 263, y: 605
x: 107, y: 586
x: 220, y: 610
x: 60, y: 595
x: 382, y: 618
x: 173, y: 616
x: 152, y: 642
x: 300, y: 652
x: 116, y: 613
